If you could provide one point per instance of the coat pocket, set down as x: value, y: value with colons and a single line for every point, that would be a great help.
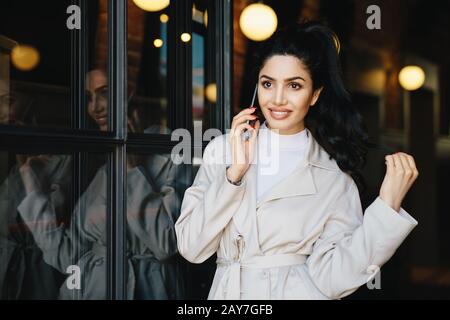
x: 293, y: 286
x: 312, y: 290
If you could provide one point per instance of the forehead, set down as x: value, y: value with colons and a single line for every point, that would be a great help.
x: 96, y: 79
x: 284, y: 66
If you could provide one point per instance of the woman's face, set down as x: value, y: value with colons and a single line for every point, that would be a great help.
x: 285, y: 93
x: 97, y: 92
x: 13, y: 106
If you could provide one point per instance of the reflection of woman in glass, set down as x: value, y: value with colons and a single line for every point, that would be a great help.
x: 23, y: 272
x: 152, y: 208
x: 294, y: 229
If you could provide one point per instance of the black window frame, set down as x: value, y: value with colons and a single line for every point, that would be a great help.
x: 116, y: 142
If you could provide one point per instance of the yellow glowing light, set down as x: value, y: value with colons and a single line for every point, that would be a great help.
x: 25, y: 57
x: 185, y: 37
x: 211, y: 92
x: 152, y: 5
x: 158, y: 43
x: 164, y: 18
x: 205, y: 18
x: 411, y: 78
x: 258, y: 21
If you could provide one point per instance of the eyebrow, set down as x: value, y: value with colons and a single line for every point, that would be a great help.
x: 100, y: 89
x: 289, y: 79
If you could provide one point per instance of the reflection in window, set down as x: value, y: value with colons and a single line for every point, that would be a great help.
x: 147, y: 69
x: 47, y: 238
x: 52, y: 246
x: 24, y: 274
x: 96, y: 95
x: 42, y: 61
x: 203, y: 91
x: 154, y: 193
x: 198, y: 76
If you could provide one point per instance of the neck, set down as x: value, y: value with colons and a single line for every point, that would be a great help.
x: 289, y: 131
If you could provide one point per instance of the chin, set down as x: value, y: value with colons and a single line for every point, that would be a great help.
x: 278, y: 124
x: 283, y: 126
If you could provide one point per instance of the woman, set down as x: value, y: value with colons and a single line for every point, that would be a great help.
x: 153, y: 270
x: 296, y: 232
x: 23, y: 271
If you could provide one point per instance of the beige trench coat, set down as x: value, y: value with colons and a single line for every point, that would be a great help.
x: 306, y: 238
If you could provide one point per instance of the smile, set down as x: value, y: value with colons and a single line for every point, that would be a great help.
x: 279, y: 114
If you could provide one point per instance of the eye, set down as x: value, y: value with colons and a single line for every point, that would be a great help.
x: 295, y: 85
x: 104, y: 93
x: 266, y: 82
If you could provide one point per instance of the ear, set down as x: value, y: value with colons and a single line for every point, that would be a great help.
x: 316, y: 96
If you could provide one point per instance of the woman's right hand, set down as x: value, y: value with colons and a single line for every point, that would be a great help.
x: 29, y: 178
x: 242, y: 151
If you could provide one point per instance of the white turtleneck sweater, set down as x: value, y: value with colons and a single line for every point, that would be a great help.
x: 278, y: 156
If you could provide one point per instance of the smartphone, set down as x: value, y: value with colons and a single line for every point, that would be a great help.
x: 247, y: 134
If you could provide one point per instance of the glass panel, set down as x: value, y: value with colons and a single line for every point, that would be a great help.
x: 48, y: 50
x: 155, y: 189
x: 204, y: 90
x: 96, y: 95
x: 147, y: 69
x: 95, y: 100
x: 52, y: 242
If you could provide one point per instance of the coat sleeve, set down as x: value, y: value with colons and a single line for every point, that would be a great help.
x: 352, y: 247
x: 208, y: 205
x: 63, y: 245
x: 151, y: 214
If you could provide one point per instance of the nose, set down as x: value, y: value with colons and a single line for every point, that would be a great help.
x: 279, y: 96
x: 98, y: 104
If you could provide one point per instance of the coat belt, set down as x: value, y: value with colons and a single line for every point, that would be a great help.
x: 233, y: 272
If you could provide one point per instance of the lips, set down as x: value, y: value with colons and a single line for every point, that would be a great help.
x: 280, y: 109
x: 101, y: 118
x: 279, y: 113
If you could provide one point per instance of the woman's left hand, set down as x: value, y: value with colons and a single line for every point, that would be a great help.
x: 401, y: 172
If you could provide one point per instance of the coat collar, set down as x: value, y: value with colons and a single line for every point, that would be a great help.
x: 301, y: 180
x: 317, y: 156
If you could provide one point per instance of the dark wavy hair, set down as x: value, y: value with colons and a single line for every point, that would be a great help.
x: 334, y: 121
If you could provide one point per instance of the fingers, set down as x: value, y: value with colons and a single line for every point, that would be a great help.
x: 245, y: 111
x: 252, y: 141
x: 390, y: 167
x: 397, y: 164
x: 243, y: 147
x: 243, y: 116
x: 400, y: 175
x: 255, y: 130
x: 412, y: 164
x: 407, y: 171
x: 402, y: 164
x: 410, y: 170
x: 239, y: 129
x: 257, y: 125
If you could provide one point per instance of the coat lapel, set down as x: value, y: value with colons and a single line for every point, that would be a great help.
x: 299, y: 183
x: 301, y: 180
